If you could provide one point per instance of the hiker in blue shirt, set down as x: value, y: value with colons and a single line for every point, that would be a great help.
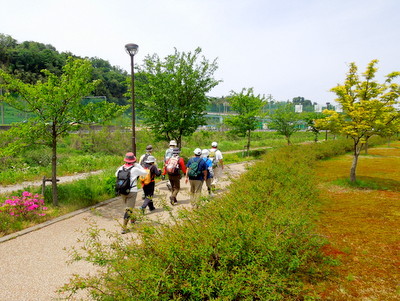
x: 196, y: 173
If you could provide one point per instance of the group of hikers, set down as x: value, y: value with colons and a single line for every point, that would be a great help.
x: 204, y: 167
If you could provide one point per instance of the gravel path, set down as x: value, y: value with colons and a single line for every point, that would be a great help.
x: 34, y: 261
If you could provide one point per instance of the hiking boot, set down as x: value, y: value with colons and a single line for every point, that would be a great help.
x: 124, y: 231
x: 172, y: 200
x: 169, y: 186
x: 175, y: 201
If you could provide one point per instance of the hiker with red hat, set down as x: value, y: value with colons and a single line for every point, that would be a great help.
x: 126, y: 186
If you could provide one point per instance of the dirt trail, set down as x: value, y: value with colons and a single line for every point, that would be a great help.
x: 34, y: 262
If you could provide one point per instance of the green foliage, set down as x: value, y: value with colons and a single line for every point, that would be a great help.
x: 285, y: 121
x: 57, y: 105
x: 83, y: 193
x: 368, y: 108
x: 26, y: 60
x: 172, y: 93
x: 248, y: 107
x: 254, y: 243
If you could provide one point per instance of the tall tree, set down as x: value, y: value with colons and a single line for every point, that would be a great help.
x: 248, y: 108
x: 171, y: 93
x: 368, y: 108
x: 285, y: 121
x: 56, y: 105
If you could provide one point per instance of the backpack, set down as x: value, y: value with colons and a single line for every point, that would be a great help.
x: 210, y: 169
x: 123, y: 184
x: 194, y: 169
x: 173, y: 165
x: 146, y: 179
x: 144, y: 159
x: 213, y: 158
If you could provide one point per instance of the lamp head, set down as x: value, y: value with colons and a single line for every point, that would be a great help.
x: 131, y: 49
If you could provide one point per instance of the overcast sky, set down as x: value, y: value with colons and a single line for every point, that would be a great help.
x: 284, y: 48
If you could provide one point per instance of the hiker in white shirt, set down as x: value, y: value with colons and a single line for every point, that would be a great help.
x: 217, y: 160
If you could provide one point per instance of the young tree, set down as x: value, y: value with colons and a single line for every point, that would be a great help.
x: 368, y: 108
x: 56, y: 107
x: 285, y: 121
x: 171, y: 93
x: 309, y: 118
x: 248, y: 107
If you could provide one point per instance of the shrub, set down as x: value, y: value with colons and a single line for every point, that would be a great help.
x: 25, y: 206
x: 254, y: 243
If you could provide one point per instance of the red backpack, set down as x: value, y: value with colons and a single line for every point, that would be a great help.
x: 172, y: 166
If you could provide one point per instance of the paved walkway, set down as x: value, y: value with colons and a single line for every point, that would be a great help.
x: 34, y: 261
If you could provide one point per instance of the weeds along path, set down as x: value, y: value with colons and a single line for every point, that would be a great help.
x: 34, y: 262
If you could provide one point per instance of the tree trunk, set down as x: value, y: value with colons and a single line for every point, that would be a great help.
x: 248, y: 142
x: 357, y: 150
x: 54, y: 171
x: 288, y: 140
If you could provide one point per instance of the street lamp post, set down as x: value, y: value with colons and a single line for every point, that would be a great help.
x: 132, y: 49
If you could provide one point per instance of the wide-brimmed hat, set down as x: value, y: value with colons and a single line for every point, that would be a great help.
x: 197, y: 151
x: 149, y: 147
x: 214, y: 144
x: 150, y: 159
x: 176, y: 150
x: 130, y: 158
x: 172, y: 143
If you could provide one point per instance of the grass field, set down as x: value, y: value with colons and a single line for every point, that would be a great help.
x: 362, y: 224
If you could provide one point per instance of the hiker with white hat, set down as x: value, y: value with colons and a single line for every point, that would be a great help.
x: 196, y: 173
x: 148, y: 182
x: 168, y: 154
x: 174, y: 167
x: 217, y: 162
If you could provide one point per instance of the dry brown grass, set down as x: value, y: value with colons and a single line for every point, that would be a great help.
x: 362, y: 226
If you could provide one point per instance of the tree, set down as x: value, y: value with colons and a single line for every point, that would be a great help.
x: 56, y: 107
x: 171, y: 93
x: 248, y: 107
x: 307, y: 104
x: 368, y: 108
x: 309, y: 118
x: 285, y: 121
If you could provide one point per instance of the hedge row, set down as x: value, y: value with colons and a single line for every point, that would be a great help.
x: 254, y: 243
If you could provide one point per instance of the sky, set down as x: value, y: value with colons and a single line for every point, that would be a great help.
x: 283, y: 49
